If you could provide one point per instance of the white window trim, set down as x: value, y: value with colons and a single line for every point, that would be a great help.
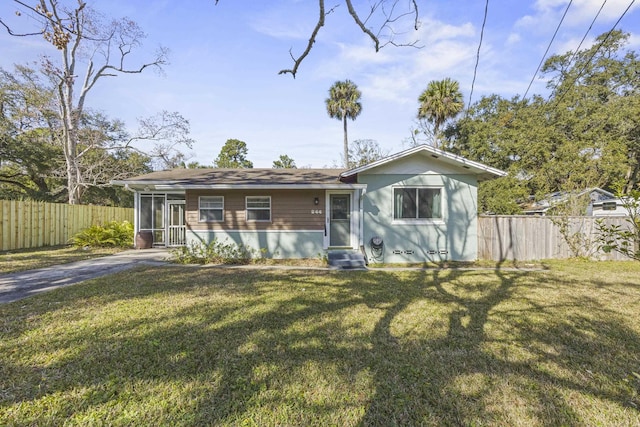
x: 247, y: 209
x: 210, y: 209
x: 419, y: 221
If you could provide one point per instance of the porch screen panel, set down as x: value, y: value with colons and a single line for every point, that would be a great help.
x: 146, y: 212
x: 152, y: 216
x: 158, y: 219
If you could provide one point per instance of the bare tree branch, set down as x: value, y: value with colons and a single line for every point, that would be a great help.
x: 356, y: 18
x: 312, y: 40
x: 82, y: 39
x: 378, y: 10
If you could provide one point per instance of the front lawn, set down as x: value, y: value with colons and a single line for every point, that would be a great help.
x: 185, y: 346
x: 29, y: 259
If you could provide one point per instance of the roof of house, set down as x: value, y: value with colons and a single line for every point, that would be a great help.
x: 483, y: 171
x: 209, y: 178
x: 542, y: 206
x: 237, y: 179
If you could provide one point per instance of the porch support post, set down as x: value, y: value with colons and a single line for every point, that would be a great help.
x: 136, y: 214
x: 360, y: 214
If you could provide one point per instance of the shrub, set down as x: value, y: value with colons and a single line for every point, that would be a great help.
x: 114, y: 233
x: 216, y: 252
x: 620, y: 239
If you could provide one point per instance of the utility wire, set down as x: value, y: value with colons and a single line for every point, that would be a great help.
x: 475, y: 69
x: 575, y: 52
x: 547, y: 51
x: 584, y: 67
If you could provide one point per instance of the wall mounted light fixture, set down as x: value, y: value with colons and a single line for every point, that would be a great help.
x: 316, y: 201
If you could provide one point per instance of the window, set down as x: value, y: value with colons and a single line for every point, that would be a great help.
x: 417, y: 203
x: 258, y: 208
x: 211, y: 208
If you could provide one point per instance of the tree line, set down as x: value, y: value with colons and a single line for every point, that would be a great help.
x: 584, y: 134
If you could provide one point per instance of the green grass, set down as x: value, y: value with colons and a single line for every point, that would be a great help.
x: 27, y: 259
x: 184, y: 346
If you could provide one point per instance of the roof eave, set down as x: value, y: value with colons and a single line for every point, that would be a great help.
x: 167, y: 185
x: 483, y: 171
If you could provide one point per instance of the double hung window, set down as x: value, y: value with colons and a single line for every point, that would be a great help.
x: 211, y: 208
x: 258, y: 208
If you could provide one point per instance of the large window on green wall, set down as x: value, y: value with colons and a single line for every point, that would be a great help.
x: 417, y: 203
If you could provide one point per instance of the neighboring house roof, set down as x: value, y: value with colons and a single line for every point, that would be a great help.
x: 483, y: 171
x: 236, y: 178
x: 540, y: 207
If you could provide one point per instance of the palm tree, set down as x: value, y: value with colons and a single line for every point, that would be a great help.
x: 343, y: 103
x: 440, y: 101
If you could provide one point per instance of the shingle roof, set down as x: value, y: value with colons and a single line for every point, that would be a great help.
x: 482, y: 171
x: 193, y: 178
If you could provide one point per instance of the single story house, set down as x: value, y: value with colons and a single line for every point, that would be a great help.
x: 414, y: 206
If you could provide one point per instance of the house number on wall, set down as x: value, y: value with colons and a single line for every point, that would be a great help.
x: 316, y: 211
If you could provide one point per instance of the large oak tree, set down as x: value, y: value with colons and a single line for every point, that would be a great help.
x: 585, y: 133
x: 87, y: 51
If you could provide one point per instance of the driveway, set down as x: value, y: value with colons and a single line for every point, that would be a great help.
x: 16, y: 286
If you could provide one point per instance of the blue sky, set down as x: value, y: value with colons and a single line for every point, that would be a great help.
x: 224, y: 63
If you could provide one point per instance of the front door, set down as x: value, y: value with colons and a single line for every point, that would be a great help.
x: 177, y: 228
x: 340, y: 220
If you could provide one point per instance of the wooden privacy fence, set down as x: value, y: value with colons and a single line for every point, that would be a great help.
x: 29, y: 224
x: 525, y: 238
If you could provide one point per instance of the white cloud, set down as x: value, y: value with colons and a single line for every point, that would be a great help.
x: 284, y: 19
x: 513, y: 39
x: 397, y: 74
x: 581, y: 12
x: 281, y: 30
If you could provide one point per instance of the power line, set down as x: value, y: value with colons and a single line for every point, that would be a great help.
x: 575, y: 52
x: 475, y: 69
x: 602, y: 42
x: 547, y: 51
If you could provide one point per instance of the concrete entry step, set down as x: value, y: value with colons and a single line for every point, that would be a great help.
x: 346, y: 259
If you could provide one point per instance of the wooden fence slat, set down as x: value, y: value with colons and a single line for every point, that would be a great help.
x: 528, y: 238
x: 30, y: 224
x: 5, y: 223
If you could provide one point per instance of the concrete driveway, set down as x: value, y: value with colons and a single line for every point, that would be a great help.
x: 16, y: 286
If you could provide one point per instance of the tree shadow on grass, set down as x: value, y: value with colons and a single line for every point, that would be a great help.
x: 232, y: 347
x: 456, y: 378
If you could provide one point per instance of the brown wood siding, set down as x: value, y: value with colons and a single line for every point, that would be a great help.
x: 290, y: 210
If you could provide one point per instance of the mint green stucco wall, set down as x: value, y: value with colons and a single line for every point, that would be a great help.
x: 278, y: 244
x: 453, y: 238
